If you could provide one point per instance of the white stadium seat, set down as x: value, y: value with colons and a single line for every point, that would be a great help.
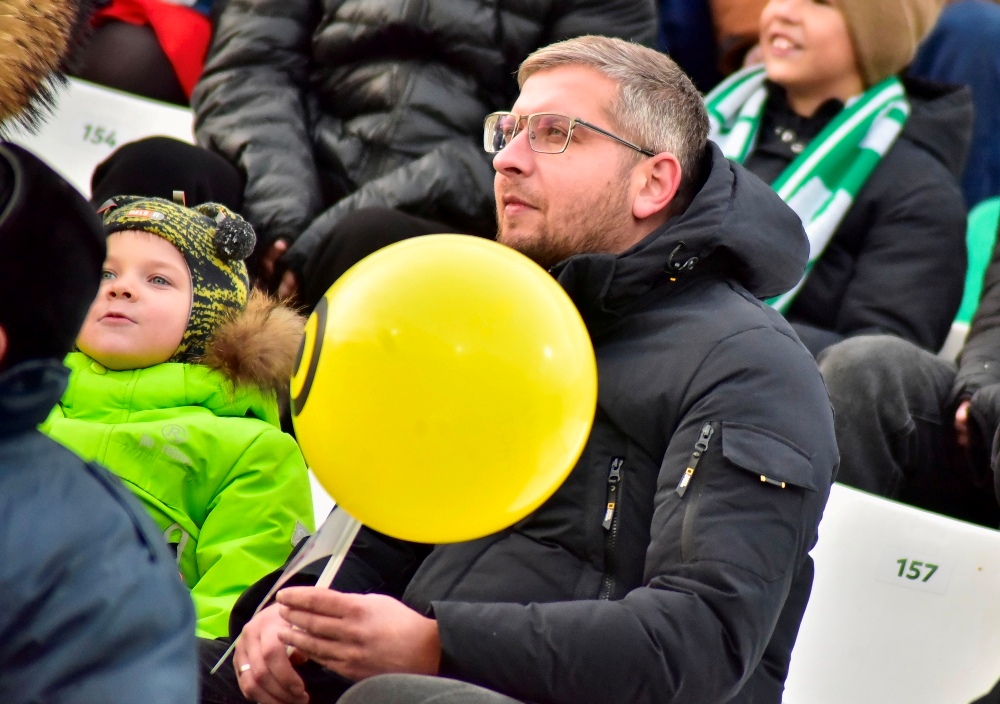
x: 89, y: 121
x: 905, y: 608
x: 322, y: 503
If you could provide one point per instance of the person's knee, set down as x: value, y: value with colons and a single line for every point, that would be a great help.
x: 849, y: 366
x: 419, y: 689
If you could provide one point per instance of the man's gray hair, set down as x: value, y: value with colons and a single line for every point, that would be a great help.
x: 657, y: 107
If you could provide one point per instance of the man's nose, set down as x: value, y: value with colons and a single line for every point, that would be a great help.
x: 515, y: 158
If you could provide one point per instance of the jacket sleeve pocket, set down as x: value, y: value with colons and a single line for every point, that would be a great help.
x: 747, y: 507
x: 772, y: 458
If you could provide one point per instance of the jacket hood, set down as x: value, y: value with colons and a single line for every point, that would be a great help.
x: 736, y: 227
x: 258, y: 346
x: 28, y: 391
x: 941, y: 121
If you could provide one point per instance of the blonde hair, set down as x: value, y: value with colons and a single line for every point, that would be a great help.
x: 657, y: 106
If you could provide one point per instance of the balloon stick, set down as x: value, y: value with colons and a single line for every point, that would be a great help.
x: 334, y: 538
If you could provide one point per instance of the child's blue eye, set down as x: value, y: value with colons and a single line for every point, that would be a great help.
x: 106, y: 275
x: 159, y: 281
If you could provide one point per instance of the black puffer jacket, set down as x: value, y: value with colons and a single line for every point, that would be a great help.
x: 896, y: 265
x: 679, y: 596
x: 332, y: 105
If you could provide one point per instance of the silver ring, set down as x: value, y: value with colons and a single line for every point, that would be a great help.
x: 244, y: 667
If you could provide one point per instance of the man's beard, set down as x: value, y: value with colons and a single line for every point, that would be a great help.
x: 581, y: 232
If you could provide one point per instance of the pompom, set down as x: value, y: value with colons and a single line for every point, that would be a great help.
x: 234, y: 239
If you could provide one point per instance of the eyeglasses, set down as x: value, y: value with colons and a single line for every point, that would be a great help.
x: 548, y: 132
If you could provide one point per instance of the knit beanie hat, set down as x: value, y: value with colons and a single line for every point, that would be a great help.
x: 214, y: 242
x: 886, y: 33
x: 51, y: 254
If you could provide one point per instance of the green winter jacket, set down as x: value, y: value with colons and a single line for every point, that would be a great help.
x: 226, y: 486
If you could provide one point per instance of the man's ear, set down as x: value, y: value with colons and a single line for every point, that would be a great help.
x: 659, y: 178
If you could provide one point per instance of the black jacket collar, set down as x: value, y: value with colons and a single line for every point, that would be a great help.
x: 736, y: 227
x: 28, y: 392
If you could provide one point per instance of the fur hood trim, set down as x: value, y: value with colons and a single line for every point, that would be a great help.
x: 37, y: 39
x: 258, y: 346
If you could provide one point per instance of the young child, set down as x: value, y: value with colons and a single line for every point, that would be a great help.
x: 869, y: 161
x: 174, y: 388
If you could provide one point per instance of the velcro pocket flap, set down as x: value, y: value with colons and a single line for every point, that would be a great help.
x: 767, y: 455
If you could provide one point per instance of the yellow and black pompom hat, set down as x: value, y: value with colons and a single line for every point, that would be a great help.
x: 214, y: 242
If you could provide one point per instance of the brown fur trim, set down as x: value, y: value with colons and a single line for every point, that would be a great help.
x: 259, y: 345
x: 36, y: 40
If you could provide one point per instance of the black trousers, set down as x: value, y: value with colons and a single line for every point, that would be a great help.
x: 327, y: 688
x: 895, y: 429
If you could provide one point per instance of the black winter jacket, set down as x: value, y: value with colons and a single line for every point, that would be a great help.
x: 93, y: 608
x: 978, y: 376
x: 896, y: 265
x: 328, y: 106
x: 680, y: 595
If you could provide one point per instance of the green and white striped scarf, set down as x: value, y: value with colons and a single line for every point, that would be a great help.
x: 820, y: 185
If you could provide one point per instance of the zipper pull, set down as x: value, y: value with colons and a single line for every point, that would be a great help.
x: 614, y: 476
x: 700, y: 447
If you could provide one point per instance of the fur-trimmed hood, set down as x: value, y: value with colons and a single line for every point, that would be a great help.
x: 37, y: 37
x: 258, y: 347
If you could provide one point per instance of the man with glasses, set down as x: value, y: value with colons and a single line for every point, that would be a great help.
x: 672, y: 564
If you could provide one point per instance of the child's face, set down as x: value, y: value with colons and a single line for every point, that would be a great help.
x: 807, y: 49
x: 141, y: 311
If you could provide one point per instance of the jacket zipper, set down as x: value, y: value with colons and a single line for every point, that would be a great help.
x: 687, y: 527
x: 707, y: 431
x: 610, y: 525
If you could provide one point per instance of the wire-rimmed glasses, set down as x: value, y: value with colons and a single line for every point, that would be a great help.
x: 548, y: 132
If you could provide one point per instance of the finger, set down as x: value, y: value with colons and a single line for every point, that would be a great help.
x: 274, y: 252
x: 331, y: 627
x: 279, y: 666
x: 323, y: 650
x: 258, y: 684
x: 289, y: 285
x: 325, y: 602
x: 962, y: 413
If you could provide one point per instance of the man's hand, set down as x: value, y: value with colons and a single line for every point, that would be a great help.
x: 962, y: 424
x: 359, y: 635
x: 269, y: 259
x: 270, y: 679
x: 288, y: 286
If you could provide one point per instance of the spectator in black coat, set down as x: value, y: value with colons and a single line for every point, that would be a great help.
x: 713, y: 430
x: 895, y: 263
x: 915, y: 427
x: 93, y: 607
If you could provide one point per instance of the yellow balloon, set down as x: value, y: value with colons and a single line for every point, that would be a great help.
x: 445, y: 388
